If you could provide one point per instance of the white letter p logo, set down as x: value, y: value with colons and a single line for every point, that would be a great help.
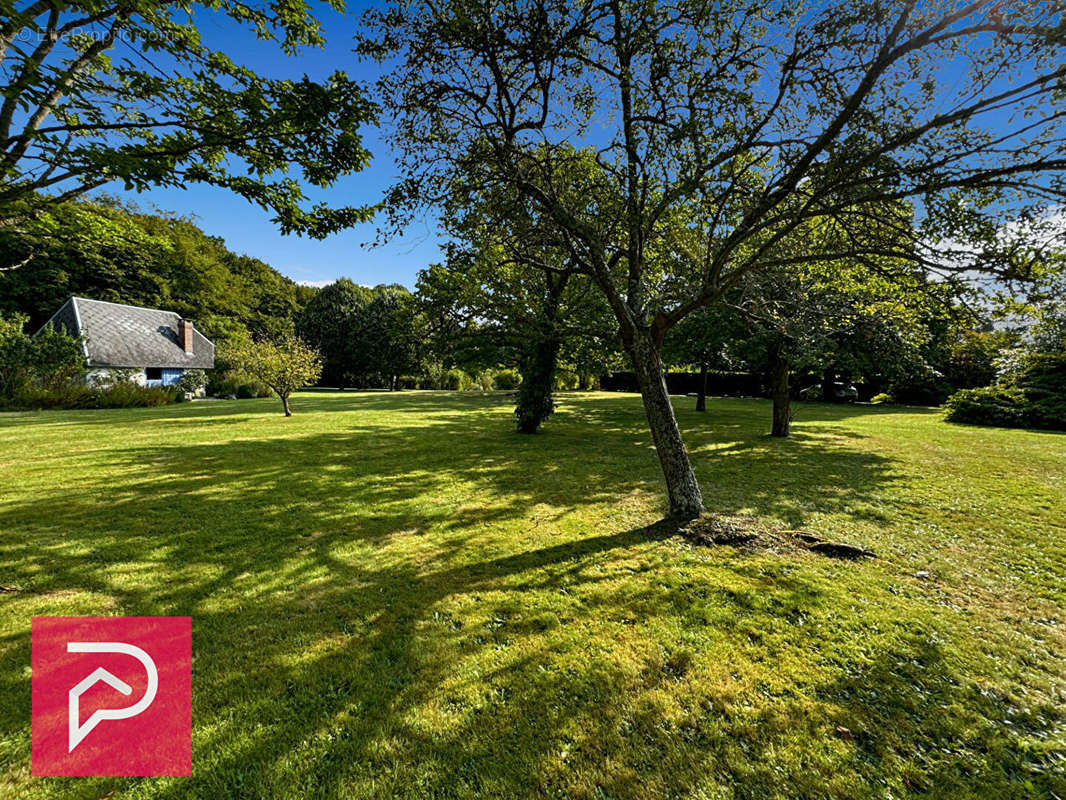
x: 76, y: 732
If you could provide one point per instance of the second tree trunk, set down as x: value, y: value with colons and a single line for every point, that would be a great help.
x: 701, y: 392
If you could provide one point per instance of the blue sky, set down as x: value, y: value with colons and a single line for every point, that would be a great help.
x: 248, y: 229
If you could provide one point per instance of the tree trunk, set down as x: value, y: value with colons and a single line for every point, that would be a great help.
x: 828, y: 379
x: 538, y: 376
x: 538, y: 367
x: 701, y: 392
x: 782, y: 401
x: 285, y: 405
x: 686, y: 501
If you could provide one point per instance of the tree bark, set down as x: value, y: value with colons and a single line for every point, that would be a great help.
x: 686, y: 501
x: 285, y: 405
x: 828, y: 378
x: 535, y: 403
x: 780, y: 390
x: 701, y: 392
x: 538, y: 376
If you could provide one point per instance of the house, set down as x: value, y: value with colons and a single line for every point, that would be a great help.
x: 159, y: 346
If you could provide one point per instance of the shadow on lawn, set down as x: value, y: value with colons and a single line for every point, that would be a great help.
x: 337, y: 646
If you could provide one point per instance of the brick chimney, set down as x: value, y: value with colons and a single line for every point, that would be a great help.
x: 185, y: 334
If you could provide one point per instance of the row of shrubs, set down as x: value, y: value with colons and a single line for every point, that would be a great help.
x: 485, y: 380
x: 118, y: 389
x: 1031, y: 394
x: 84, y: 395
x: 229, y: 384
x: 458, y: 380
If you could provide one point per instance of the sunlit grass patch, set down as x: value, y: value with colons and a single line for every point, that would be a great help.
x: 397, y: 596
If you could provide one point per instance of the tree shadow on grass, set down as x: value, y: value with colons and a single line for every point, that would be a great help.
x: 377, y: 613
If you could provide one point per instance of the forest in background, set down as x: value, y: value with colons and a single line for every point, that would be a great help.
x: 105, y: 250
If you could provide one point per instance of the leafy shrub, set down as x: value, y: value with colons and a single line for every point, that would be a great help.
x: 508, y: 379
x: 234, y: 384
x: 1043, y: 382
x: 927, y: 390
x: 74, y: 394
x: 456, y: 380
x: 1034, y: 396
x: 30, y: 365
x: 987, y: 405
x: 80, y: 394
x: 132, y: 395
x: 485, y: 380
x: 882, y: 398
x: 192, y: 381
x: 565, y: 379
x: 220, y: 384
x: 434, y: 376
x: 407, y: 382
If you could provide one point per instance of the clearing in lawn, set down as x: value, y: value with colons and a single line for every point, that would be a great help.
x: 398, y: 596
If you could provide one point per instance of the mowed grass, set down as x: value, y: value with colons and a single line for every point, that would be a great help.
x: 395, y: 596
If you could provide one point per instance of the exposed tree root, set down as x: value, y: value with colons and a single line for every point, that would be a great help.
x: 750, y: 533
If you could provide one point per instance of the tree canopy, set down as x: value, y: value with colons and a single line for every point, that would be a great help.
x: 367, y: 337
x: 126, y: 92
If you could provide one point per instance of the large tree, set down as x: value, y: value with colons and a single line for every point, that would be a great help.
x: 750, y: 117
x: 367, y: 337
x: 509, y: 278
x: 829, y: 318
x: 126, y: 92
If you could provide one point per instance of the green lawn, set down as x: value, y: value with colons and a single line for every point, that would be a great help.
x: 397, y: 596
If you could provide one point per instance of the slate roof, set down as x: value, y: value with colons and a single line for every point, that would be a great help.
x: 115, y: 335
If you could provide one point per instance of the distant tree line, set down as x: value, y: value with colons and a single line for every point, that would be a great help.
x: 107, y: 251
x: 490, y: 315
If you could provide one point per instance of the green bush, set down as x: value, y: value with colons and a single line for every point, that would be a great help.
x: 485, y: 380
x: 927, y: 390
x: 882, y: 398
x: 192, y: 381
x: 220, y: 384
x: 80, y: 394
x: 131, y: 395
x: 1034, y: 396
x: 74, y: 394
x: 246, y: 391
x: 988, y: 405
x: 1043, y: 381
x: 564, y: 380
x: 508, y: 379
x: 456, y: 380
x: 433, y: 377
x: 34, y: 366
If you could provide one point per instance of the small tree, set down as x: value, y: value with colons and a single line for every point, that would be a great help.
x: 285, y: 365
